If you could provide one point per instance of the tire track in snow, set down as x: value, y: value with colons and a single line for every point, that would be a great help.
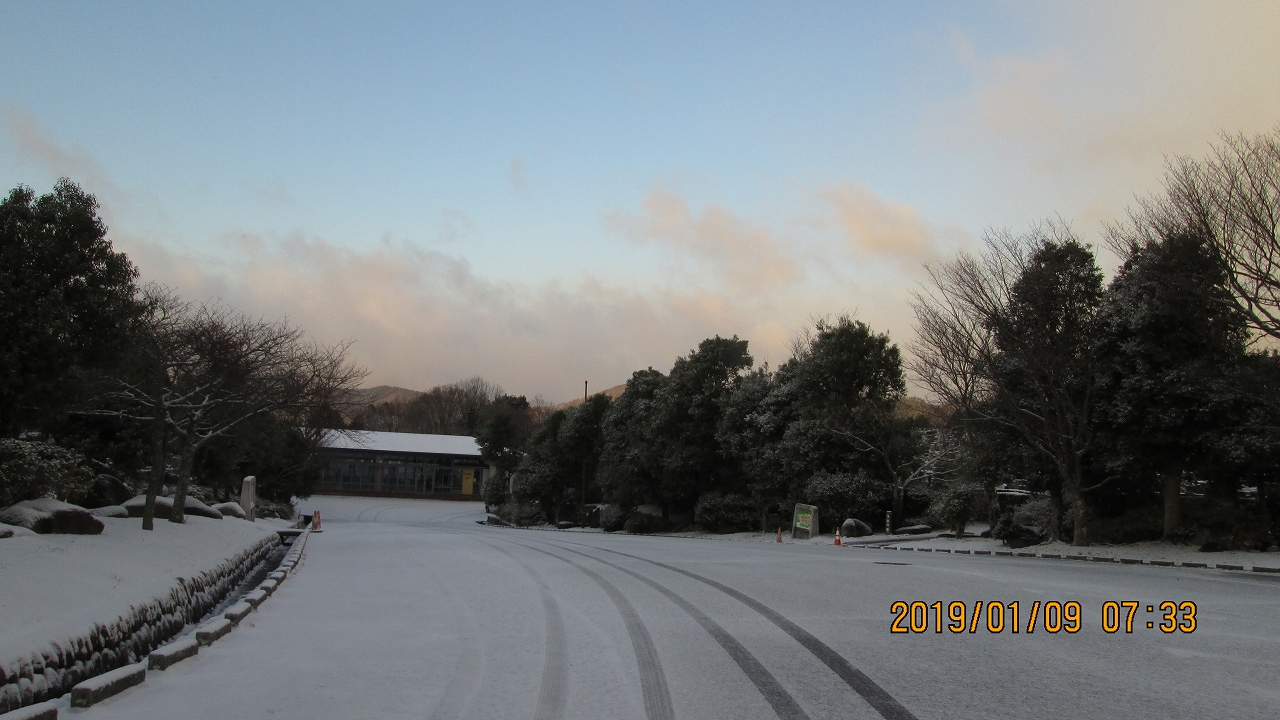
x: 554, y: 691
x: 653, y: 681
x: 778, y: 698
x: 876, y: 696
x: 464, y: 682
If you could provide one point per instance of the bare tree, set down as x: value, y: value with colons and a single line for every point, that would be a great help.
x: 1004, y: 338
x: 204, y: 370
x: 1233, y: 198
x: 909, y: 453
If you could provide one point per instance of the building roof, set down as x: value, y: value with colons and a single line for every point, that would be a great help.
x: 402, y: 442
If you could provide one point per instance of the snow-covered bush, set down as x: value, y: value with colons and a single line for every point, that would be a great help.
x: 522, y: 514
x: 612, y: 518
x: 31, y: 470
x: 953, y: 506
x: 840, y: 496
x: 720, y: 513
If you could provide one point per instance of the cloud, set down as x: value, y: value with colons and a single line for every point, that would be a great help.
x: 420, y: 317
x: 517, y: 175
x: 33, y: 143
x: 747, y: 257
x: 875, y: 226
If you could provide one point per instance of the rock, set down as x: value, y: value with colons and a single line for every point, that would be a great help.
x: 28, y: 518
x: 854, y: 528
x: 107, y: 490
x: 193, y: 506
x: 984, y: 534
x: 63, y: 518
x: 111, y: 511
x: 566, y: 524
x: 164, y: 505
x: 495, y: 520
x: 913, y: 530
x: 76, y: 522
x: 8, y: 531
x: 231, y: 508
x: 1273, y: 548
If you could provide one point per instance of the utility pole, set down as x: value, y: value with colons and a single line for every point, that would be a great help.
x: 582, y: 498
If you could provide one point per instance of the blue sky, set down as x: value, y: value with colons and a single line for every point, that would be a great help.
x: 546, y: 193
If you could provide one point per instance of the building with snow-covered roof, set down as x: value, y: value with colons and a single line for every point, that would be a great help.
x: 402, y: 465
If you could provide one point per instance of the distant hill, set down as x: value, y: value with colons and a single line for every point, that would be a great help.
x: 612, y: 392
x: 386, y: 393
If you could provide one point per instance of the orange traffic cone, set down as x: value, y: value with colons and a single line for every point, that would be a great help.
x: 779, y: 534
x: 315, y: 522
x: 837, y: 536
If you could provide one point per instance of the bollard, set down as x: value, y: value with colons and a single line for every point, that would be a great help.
x: 315, y: 521
x: 888, y: 522
x: 779, y: 534
x: 249, y: 497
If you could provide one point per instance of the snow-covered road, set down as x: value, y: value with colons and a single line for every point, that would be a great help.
x: 409, y: 609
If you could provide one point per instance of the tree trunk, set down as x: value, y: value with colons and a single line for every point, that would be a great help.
x: 898, y: 503
x: 1172, y: 504
x: 184, y: 478
x: 157, y: 471
x: 1056, y: 510
x: 1081, y: 535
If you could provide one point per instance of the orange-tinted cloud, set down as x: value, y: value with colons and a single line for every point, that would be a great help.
x: 745, y: 256
x: 421, y: 317
x: 875, y: 226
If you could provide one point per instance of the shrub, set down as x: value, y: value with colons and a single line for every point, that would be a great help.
x: 953, y: 505
x: 840, y: 496
x: 720, y: 513
x: 643, y: 523
x: 522, y: 514
x: 612, y: 518
x: 30, y: 470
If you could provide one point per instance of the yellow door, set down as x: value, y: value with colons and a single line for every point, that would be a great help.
x: 468, y: 479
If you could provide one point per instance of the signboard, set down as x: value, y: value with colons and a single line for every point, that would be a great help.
x: 468, y: 481
x: 804, y: 524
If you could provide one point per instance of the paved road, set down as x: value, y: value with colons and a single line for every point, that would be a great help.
x: 409, y: 609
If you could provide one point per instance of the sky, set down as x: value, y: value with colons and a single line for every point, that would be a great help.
x: 547, y: 193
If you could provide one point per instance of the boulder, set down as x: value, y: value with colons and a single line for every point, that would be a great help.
x: 193, y: 506
x: 566, y: 524
x: 111, y: 511
x: 29, y: 518
x: 914, y: 530
x: 8, y: 531
x: 164, y: 505
x: 495, y: 520
x: 854, y: 528
x: 107, y: 490
x: 231, y: 508
x: 46, y: 515
x: 77, y: 521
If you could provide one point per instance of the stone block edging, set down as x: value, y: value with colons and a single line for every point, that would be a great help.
x: 1085, y: 558
x: 62, y: 665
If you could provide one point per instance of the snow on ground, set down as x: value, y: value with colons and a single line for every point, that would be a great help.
x: 1137, y: 551
x: 53, y: 587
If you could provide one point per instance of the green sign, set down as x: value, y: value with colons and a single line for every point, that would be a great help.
x: 804, y: 522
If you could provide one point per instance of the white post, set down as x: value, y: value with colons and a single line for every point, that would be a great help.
x: 249, y: 496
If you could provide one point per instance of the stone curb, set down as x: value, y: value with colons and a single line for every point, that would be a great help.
x: 97, y: 689
x: 161, y: 658
x: 237, y: 612
x: 100, y: 687
x: 1084, y: 558
x: 207, y: 633
x: 40, y: 711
